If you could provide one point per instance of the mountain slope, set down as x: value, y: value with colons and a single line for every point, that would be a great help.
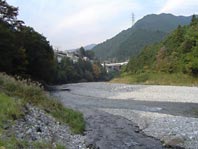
x: 178, y: 53
x: 162, y: 22
x: 89, y: 47
x: 150, y: 29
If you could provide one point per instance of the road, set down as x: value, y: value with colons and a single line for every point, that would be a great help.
x: 124, y: 116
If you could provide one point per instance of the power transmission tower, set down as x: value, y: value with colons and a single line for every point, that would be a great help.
x: 133, y: 19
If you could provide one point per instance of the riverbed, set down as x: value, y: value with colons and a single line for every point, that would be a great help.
x: 135, y: 116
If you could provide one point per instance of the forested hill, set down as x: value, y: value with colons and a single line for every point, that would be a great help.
x: 178, y: 53
x: 150, y: 29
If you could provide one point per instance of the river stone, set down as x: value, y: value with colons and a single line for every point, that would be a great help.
x: 174, y: 142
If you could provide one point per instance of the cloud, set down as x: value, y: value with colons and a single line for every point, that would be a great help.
x: 180, y: 7
x: 95, y: 13
x: 94, y: 22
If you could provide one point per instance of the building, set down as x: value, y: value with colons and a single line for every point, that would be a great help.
x: 60, y: 55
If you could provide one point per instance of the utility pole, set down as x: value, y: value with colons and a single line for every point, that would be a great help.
x: 133, y: 19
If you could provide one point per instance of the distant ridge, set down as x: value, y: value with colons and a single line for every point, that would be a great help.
x: 87, y: 47
x: 150, y: 29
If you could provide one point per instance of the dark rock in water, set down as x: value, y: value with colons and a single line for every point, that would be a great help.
x: 137, y: 130
x: 65, y: 89
x: 54, y: 88
x: 38, y: 129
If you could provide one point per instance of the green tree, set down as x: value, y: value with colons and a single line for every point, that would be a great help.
x: 7, y: 48
x: 40, y: 55
x: 20, y: 62
x: 194, y: 20
x: 82, y: 52
x: 9, y: 14
x: 90, y: 54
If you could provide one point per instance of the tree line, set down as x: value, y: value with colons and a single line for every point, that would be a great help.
x: 25, y: 52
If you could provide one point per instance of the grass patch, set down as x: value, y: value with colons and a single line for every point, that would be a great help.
x: 31, y: 92
x: 142, y: 78
x: 172, y: 79
x: 10, y: 109
x: 14, y: 143
x: 157, y: 79
x: 69, y: 116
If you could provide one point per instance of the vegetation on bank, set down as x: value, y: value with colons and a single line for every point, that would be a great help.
x: 10, y: 109
x: 15, y: 93
x: 172, y: 61
x: 25, y: 91
x: 157, y: 78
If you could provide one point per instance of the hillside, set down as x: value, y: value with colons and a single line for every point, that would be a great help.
x: 129, y: 42
x: 89, y: 47
x: 171, y: 61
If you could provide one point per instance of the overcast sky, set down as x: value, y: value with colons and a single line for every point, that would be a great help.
x: 69, y: 24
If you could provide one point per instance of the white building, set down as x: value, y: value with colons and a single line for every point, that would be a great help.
x: 60, y: 55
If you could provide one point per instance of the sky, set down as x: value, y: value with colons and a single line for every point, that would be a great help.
x: 70, y: 24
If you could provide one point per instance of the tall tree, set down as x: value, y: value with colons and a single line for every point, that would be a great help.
x: 40, y: 55
x: 194, y: 20
x: 82, y: 52
x: 9, y: 14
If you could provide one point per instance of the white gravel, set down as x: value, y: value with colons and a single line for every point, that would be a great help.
x: 161, y: 93
x: 137, y: 92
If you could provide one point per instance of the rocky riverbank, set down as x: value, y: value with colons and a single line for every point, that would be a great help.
x: 38, y: 126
